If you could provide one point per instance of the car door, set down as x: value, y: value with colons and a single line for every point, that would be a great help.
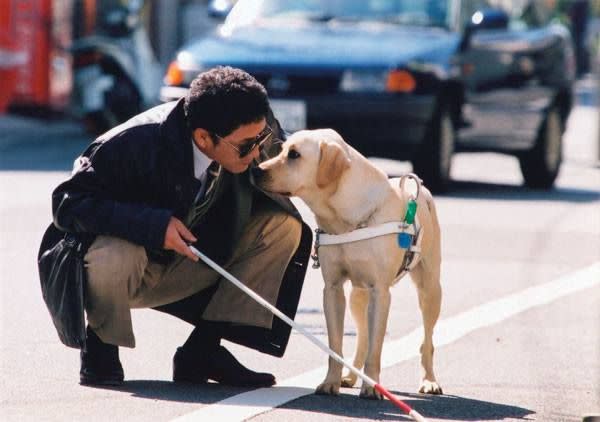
x: 509, y: 75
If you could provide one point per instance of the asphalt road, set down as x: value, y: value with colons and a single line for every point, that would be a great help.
x: 519, y: 336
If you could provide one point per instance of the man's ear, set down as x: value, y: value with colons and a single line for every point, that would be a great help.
x: 202, y: 139
x: 332, y: 163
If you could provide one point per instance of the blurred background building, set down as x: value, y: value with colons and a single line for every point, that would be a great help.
x: 36, y: 35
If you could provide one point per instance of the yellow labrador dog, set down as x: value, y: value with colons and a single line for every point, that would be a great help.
x: 345, y: 192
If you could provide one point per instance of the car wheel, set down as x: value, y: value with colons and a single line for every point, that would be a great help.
x: 433, y: 160
x: 121, y: 103
x: 540, y: 165
x: 123, y: 100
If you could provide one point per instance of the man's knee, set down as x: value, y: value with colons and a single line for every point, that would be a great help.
x: 284, y: 231
x: 293, y: 228
x: 113, y: 260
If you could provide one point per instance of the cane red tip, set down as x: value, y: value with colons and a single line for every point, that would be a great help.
x: 399, y: 403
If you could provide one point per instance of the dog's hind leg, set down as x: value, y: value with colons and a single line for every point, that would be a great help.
x: 359, y: 302
x: 427, y: 281
x: 334, y: 304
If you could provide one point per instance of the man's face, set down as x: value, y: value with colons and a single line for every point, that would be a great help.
x: 226, y: 149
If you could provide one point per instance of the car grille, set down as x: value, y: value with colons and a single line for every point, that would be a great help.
x: 289, y: 85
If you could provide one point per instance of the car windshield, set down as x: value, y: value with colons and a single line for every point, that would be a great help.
x: 408, y: 12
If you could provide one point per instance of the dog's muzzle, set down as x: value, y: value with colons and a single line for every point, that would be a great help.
x: 260, y: 177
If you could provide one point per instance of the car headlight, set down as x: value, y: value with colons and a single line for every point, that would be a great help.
x: 182, y: 70
x: 174, y: 75
x: 377, y: 81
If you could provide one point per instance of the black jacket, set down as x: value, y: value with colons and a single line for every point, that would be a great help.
x: 131, y: 180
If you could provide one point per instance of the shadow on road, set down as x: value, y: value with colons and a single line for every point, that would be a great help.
x: 479, y: 190
x: 42, y: 156
x: 435, y: 407
x: 204, y: 394
x: 40, y: 144
x: 344, y: 405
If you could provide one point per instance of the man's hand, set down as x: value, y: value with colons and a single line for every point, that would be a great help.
x: 176, y: 237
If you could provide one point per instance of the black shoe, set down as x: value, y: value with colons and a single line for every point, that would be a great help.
x: 100, y: 363
x: 219, y: 365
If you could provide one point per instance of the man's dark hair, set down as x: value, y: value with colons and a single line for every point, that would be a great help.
x: 222, y: 99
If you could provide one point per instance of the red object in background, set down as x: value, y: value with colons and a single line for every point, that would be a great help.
x: 40, y: 30
x: 10, y: 58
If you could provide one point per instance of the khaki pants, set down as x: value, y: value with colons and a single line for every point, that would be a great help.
x: 120, y: 277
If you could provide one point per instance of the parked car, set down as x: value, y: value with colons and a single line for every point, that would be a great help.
x: 405, y: 79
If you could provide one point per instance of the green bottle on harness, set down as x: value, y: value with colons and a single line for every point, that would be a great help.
x: 405, y: 239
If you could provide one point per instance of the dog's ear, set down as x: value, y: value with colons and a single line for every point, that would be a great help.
x: 332, y: 163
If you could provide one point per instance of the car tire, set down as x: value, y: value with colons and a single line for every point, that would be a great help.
x: 540, y: 165
x: 121, y: 103
x: 433, y: 160
x: 123, y: 100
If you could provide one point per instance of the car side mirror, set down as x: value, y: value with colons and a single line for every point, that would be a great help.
x: 219, y: 9
x: 482, y: 20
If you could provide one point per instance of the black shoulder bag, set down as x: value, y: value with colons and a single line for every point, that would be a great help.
x: 63, y: 281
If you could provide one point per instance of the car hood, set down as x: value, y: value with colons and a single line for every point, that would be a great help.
x: 334, y: 46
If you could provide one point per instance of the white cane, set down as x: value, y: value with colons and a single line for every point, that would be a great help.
x: 403, y: 406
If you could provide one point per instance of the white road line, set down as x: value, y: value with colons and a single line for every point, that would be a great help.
x: 252, y: 403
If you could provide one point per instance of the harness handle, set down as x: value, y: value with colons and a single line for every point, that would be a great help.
x: 417, y: 180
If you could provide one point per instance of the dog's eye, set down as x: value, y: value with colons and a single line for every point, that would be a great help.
x: 293, y: 154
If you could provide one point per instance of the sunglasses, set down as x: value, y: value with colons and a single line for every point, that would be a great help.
x: 247, y: 148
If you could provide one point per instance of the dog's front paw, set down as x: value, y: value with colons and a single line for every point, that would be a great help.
x: 430, y: 387
x: 349, y: 380
x: 368, y: 392
x: 328, y: 388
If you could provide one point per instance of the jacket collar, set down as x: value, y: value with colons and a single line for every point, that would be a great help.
x: 177, y: 137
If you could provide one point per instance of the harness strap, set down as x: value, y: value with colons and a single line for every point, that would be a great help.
x: 411, y: 257
x: 410, y: 226
x: 366, y: 233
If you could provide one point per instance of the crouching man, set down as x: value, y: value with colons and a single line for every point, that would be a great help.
x: 175, y: 175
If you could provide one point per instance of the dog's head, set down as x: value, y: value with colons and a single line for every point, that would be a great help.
x: 310, y: 161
